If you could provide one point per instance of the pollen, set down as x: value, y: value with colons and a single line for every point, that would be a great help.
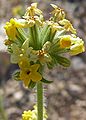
x: 41, y: 53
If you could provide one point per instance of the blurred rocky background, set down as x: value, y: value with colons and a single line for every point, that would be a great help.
x: 66, y: 96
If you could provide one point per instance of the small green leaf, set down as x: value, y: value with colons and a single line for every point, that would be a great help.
x: 46, y: 81
x: 9, y: 49
x: 50, y: 65
x: 62, y: 60
x: 15, y: 75
x: 53, y: 63
x: 31, y: 84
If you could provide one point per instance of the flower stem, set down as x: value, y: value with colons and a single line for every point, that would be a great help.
x: 39, y: 101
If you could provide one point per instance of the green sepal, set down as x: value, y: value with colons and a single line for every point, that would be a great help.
x: 52, y: 36
x: 31, y: 84
x: 37, y: 37
x: 15, y: 75
x: 43, y: 31
x: 34, y: 36
x: 21, y: 35
x: 53, y: 63
x: 46, y: 37
x: 57, y: 50
x: 46, y: 81
x: 61, y: 51
x: 62, y: 60
x: 33, y: 33
x: 50, y: 65
x: 30, y: 37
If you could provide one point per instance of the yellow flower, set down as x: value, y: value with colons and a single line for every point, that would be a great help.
x: 75, y: 44
x: 65, y: 41
x: 43, y: 56
x: 58, y: 12
x: 32, y: 10
x: 24, y: 63
x: 77, y: 48
x: 38, y: 20
x: 32, y: 115
x: 30, y: 22
x: 67, y: 25
x: 33, y: 15
x: 11, y: 29
x: 30, y: 74
x: 11, y: 26
x: 19, y: 53
x: 27, y: 115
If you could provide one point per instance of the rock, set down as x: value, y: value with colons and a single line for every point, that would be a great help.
x: 75, y: 89
x: 2, y: 37
x: 78, y: 64
x: 81, y: 103
x: 18, y: 95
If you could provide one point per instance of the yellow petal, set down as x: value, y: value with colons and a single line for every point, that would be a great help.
x: 12, y: 21
x: 24, y: 77
x: 65, y: 41
x: 26, y: 82
x: 24, y: 63
x: 34, y: 67
x: 35, y: 76
x: 77, y: 48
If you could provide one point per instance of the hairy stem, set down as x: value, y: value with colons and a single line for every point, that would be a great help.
x: 39, y: 101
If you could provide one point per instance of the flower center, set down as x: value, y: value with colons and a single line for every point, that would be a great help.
x: 41, y: 53
x: 28, y: 72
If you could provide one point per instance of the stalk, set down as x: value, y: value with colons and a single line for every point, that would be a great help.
x: 39, y: 101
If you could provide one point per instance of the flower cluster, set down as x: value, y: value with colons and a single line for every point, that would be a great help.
x: 32, y: 115
x: 34, y: 42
